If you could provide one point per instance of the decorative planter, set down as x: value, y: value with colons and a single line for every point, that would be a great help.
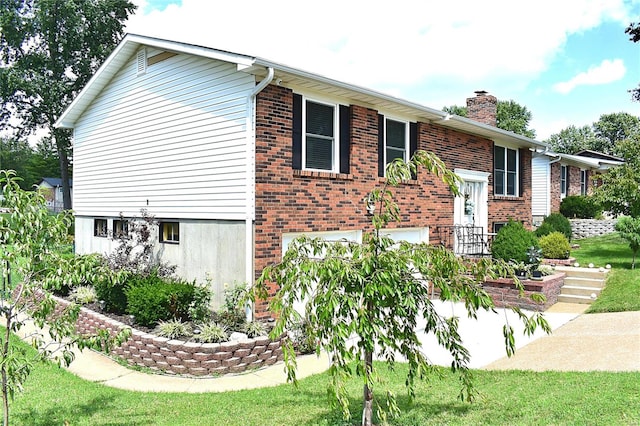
x: 180, y: 357
x: 505, y: 294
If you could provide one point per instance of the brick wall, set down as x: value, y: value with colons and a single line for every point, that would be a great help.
x: 180, y: 357
x: 505, y: 294
x: 290, y: 201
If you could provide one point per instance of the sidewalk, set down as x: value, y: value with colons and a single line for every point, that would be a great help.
x: 590, y: 342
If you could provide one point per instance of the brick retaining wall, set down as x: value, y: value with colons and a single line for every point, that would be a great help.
x: 505, y: 294
x: 584, y: 228
x: 180, y: 357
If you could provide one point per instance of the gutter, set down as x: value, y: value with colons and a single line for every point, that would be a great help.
x: 250, y: 195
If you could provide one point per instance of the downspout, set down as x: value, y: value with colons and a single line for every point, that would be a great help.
x: 251, y: 177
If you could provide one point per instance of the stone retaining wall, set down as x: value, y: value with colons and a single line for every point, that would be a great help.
x: 505, y: 294
x: 180, y: 357
x: 584, y: 228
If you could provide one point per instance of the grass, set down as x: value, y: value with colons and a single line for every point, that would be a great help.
x: 622, y: 292
x: 54, y: 396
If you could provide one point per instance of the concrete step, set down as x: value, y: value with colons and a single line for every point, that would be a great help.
x: 584, y: 282
x: 570, y: 290
x: 572, y: 298
x: 570, y: 271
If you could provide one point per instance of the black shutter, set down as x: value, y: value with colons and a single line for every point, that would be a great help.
x: 568, y: 174
x: 297, y: 132
x: 520, y: 171
x: 345, y: 139
x: 413, y: 144
x: 381, y: 164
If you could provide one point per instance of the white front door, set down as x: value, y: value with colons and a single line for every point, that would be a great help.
x: 471, y: 207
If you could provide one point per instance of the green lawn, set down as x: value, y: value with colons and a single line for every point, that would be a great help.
x: 622, y: 292
x: 55, y: 397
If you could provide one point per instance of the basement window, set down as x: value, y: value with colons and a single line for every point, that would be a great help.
x: 120, y: 228
x: 170, y: 232
x: 99, y: 227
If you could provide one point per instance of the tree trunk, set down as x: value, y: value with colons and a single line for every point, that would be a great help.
x: 367, y: 411
x: 61, y: 146
x: 3, y: 372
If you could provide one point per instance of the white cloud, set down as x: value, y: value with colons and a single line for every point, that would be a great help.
x: 406, y: 44
x: 607, y: 72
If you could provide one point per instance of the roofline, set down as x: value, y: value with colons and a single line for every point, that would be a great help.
x: 104, y: 74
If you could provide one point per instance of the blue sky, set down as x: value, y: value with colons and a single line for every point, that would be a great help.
x: 567, y: 61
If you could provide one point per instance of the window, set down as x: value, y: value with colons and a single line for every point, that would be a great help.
x: 583, y: 182
x: 100, y: 227
x: 120, y: 228
x: 169, y: 232
x: 321, y: 133
x: 564, y: 180
x: 505, y: 162
x: 396, y: 140
x: 497, y: 226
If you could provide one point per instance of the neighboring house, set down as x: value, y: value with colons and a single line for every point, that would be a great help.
x: 236, y: 156
x: 51, y: 188
x: 556, y: 176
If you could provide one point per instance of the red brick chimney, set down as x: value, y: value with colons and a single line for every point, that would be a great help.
x: 483, y: 108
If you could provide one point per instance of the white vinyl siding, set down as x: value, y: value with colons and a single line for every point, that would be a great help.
x: 540, y: 186
x: 172, y: 141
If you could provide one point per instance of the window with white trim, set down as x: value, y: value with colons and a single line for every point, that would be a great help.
x: 169, y: 232
x: 583, y: 182
x: 100, y: 227
x: 396, y: 140
x: 505, y: 173
x: 564, y: 175
x: 320, y: 147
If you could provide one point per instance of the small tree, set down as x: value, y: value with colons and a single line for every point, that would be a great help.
x: 31, y: 238
x: 376, y: 291
x: 629, y: 229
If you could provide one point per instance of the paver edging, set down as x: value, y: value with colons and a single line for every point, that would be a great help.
x: 181, y: 357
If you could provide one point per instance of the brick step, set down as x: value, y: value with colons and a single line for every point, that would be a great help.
x: 571, y: 290
x: 584, y: 282
x: 572, y: 298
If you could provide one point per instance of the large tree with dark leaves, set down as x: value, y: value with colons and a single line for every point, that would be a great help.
x: 634, y: 35
x: 49, y: 49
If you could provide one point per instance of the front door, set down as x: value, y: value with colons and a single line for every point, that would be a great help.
x: 471, y: 207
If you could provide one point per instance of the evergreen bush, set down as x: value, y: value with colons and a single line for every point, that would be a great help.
x: 151, y: 301
x: 557, y: 222
x: 555, y: 246
x: 512, y: 242
x: 580, y: 207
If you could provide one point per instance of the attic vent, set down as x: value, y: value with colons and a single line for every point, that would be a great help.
x: 141, y: 62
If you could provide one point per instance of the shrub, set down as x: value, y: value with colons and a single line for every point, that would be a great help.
x: 173, y: 329
x: 154, y: 301
x: 555, y: 246
x: 255, y: 329
x: 557, y: 222
x: 302, y: 337
x: 231, y: 320
x: 212, y: 333
x: 84, y: 294
x: 512, y: 242
x: 546, y: 270
x: 580, y: 207
x: 545, y: 228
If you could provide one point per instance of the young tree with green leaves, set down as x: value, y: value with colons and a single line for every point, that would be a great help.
x: 49, y: 49
x: 629, y: 229
x: 377, y: 291
x: 30, y: 243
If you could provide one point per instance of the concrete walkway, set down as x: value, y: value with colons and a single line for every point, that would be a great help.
x: 579, y: 342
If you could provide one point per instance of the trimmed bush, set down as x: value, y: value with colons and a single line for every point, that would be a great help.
x: 151, y: 302
x: 555, y: 246
x: 580, y: 207
x: 556, y: 222
x: 512, y: 242
x: 545, y: 228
